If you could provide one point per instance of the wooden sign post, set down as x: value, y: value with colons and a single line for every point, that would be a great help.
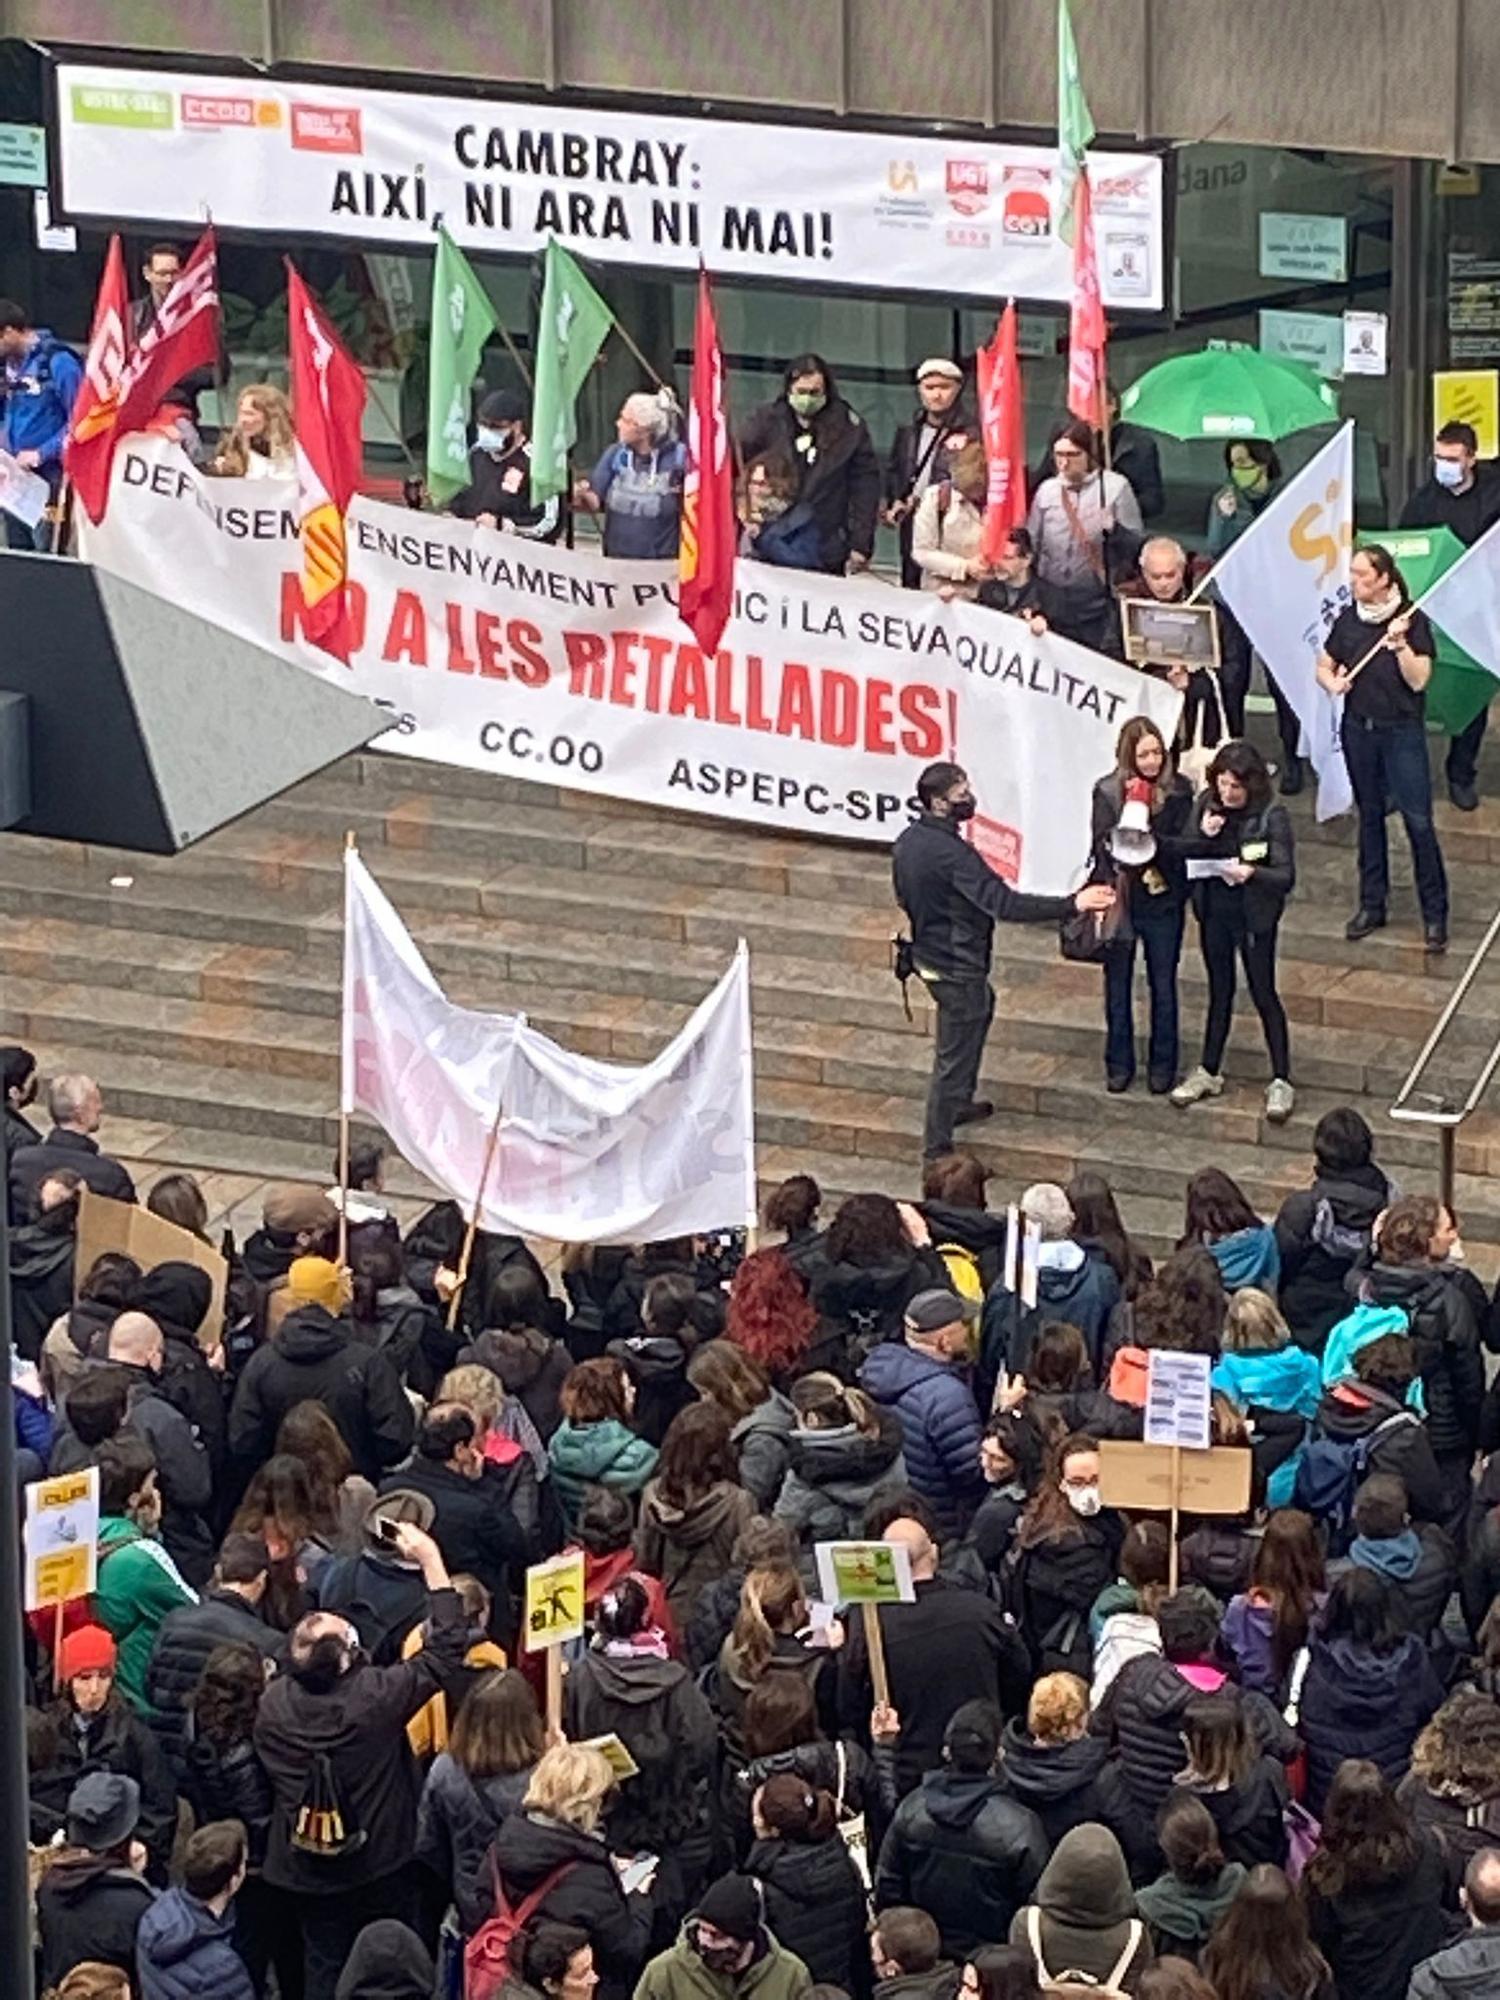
x: 61, y: 1547
x: 868, y: 1574
x: 1178, y: 1413
x: 554, y: 1616
x: 1166, y: 1479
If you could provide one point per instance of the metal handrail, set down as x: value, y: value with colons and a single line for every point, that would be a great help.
x: 1441, y: 1112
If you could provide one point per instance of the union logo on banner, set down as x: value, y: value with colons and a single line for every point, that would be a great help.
x: 968, y: 185
x: 997, y: 844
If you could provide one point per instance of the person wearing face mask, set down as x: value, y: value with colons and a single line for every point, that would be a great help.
x: 725, y: 1952
x: 948, y: 528
x: 1463, y: 494
x: 1254, y: 481
x: 1384, y: 734
x: 1013, y: 585
x: 829, y: 444
x: 1237, y: 825
x: 953, y: 900
x: 941, y: 425
x: 184, y: 1469
x: 1086, y: 526
x: 1142, y: 808
x: 1068, y: 1546
x: 775, y: 526
x: 637, y: 484
x: 498, y: 494
x: 138, y: 1581
x: 331, y: 1735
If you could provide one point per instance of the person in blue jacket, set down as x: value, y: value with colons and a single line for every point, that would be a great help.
x: 1223, y: 1222
x: 777, y: 527
x: 38, y: 388
x: 1273, y: 1382
x: 184, y: 1947
x: 924, y: 1379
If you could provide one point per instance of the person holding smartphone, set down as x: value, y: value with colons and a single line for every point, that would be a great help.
x: 1245, y: 837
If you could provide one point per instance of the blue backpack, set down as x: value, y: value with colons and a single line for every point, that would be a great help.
x: 1329, y: 1473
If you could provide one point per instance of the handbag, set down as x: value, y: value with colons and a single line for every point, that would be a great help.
x: 851, y: 1825
x: 1194, y: 759
x: 1086, y: 937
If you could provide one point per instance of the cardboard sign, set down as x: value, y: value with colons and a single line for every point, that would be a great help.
x: 614, y: 1753
x: 62, y: 1536
x: 1469, y: 396
x: 1177, y: 1399
x: 119, y: 1225
x: 1140, y: 1477
x: 554, y: 1602
x: 864, y: 1573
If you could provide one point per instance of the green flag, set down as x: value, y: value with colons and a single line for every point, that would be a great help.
x: 570, y: 332
x: 1075, y: 124
x: 462, y: 321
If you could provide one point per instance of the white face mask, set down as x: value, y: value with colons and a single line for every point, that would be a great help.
x: 1084, y: 1500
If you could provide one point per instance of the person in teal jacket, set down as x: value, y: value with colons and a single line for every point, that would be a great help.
x: 138, y: 1582
x: 1276, y: 1383
x: 1221, y: 1219
x: 594, y: 1444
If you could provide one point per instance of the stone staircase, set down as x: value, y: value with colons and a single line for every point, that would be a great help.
x: 203, y: 990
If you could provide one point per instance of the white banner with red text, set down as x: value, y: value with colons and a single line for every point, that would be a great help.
x: 824, y: 700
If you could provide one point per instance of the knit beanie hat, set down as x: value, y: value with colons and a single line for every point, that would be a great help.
x: 87, y: 1649
x: 731, y: 1905
x: 317, y: 1281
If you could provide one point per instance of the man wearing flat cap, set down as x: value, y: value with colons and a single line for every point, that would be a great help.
x: 941, y: 425
x: 924, y: 1380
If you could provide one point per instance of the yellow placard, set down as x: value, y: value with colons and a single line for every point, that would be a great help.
x: 615, y: 1754
x: 1469, y: 396
x: 62, y: 1534
x: 554, y: 1602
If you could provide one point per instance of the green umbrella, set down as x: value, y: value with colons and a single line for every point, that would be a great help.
x: 1229, y: 392
x: 1459, y: 687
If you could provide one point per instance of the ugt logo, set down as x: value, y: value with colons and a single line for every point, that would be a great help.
x: 968, y: 186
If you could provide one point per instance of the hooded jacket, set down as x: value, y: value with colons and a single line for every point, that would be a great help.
x: 688, y: 1547
x: 184, y: 1640
x: 314, y: 1357
x: 1248, y: 1257
x: 1359, y: 1703
x: 1064, y: 1784
x: 1353, y: 1410
x: 815, y: 1906
x: 532, y: 1367
x: 656, y: 1710
x: 41, y: 1276
x: 840, y: 474
x: 844, y: 1770
x: 1322, y: 1233
x: 398, y: 1328
x: 940, y: 1427
x: 762, y: 1444
x: 774, y: 1973
x: 1468, y: 1970
x: 530, y: 1846
x: 1446, y: 1336
x: 1072, y: 1284
x: 1375, y: 1937
x: 184, y: 1472
x: 457, y: 1819
x: 184, y: 1952
x: 606, y: 1453
x: 113, y: 1740
x: 1086, y: 1909
x: 964, y: 1849
x: 388, y: 1962
x: 1420, y: 1565
x: 89, y: 1907
x: 1283, y: 1379
x: 75, y: 1336
x: 1181, y: 1914
x: 1054, y: 1586
x: 863, y: 1304
x: 833, y: 1476
x: 1249, y: 1814
x: 177, y: 1296
x: 138, y: 1585
x: 657, y: 1365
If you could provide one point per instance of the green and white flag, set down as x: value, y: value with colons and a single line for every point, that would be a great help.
x: 1075, y: 124
x: 462, y: 321
x: 571, y: 330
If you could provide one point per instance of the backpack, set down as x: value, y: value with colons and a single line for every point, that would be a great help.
x: 487, y: 1955
x: 1075, y: 1985
x: 1329, y: 1474
x: 320, y: 1825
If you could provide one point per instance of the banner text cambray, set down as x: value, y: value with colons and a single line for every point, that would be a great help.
x: 824, y: 699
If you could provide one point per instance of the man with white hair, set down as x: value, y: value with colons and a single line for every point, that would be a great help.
x: 184, y: 1471
x: 1164, y: 578
x: 75, y: 1106
x: 637, y: 484
x: 1073, y: 1283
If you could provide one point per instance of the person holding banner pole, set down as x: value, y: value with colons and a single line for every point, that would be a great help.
x: 1378, y: 655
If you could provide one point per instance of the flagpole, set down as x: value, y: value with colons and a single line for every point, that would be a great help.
x: 349, y: 848
x: 1259, y: 522
x: 492, y: 1146
x: 515, y: 354
x: 624, y: 334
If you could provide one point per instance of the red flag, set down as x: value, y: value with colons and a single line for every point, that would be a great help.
x: 328, y: 406
x: 1086, y: 329
x: 1002, y: 418
x: 122, y: 391
x: 709, y: 530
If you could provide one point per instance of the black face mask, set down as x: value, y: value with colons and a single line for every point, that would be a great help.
x: 961, y: 809
x: 717, y: 1957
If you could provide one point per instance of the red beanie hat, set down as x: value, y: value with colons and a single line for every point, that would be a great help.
x: 88, y: 1649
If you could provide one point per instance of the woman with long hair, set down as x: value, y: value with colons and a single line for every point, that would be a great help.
x: 1378, y: 655
x: 693, y: 1509
x: 1373, y: 1888
x: 1068, y: 1544
x: 1452, y: 1791
x: 494, y: 1745
x: 1370, y: 1684
x: 519, y: 1343
x: 340, y: 1496
x: 779, y: 1731
x: 1098, y: 1225
x: 771, y: 1318
x: 1185, y: 1902
x: 844, y: 1453
x: 1238, y: 824
x: 594, y: 1445
x: 278, y: 1507
x: 1261, y: 1950
x: 792, y: 1211
x: 1157, y: 802
x: 811, y: 1891
x: 1244, y: 1791
x: 875, y: 1267
x: 999, y: 1972
x: 1122, y: 1622
x: 1267, y: 1626
x: 762, y: 1420
x: 1272, y: 1382
x: 1217, y: 1216
x: 766, y: 1640
x: 262, y: 443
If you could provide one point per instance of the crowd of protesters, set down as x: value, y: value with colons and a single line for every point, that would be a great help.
x: 294, y: 1740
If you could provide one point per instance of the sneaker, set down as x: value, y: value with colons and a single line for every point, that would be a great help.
x: 1293, y: 777
x: 1198, y: 1083
x: 1464, y: 796
x: 1281, y: 1100
x: 1363, y: 922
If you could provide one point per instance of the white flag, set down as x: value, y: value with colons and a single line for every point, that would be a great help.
x: 1465, y: 601
x: 589, y: 1152
x: 1286, y: 579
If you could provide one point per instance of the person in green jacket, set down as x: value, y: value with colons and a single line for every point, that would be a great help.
x: 138, y: 1581
x: 594, y: 1444
x: 725, y: 1952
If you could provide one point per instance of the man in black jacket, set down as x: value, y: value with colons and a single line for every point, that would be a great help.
x: 953, y: 900
x: 18, y: 1081
x: 838, y: 472
x: 75, y: 1106
x: 1419, y: 1563
x: 316, y: 1358
x: 184, y: 1471
x: 961, y: 1846
x: 472, y: 1522
x: 498, y: 494
x: 940, y: 426
x: 228, y: 1611
x: 331, y: 1733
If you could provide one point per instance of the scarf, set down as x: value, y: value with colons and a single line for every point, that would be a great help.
x: 1379, y: 611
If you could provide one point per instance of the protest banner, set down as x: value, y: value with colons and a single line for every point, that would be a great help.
x: 868, y: 1574
x: 121, y: 1225
x: 1178, y: 1415
x: 813, y: 205
x: 1163, y: 1479
x: 553, y: 1618
x: 60, y: 1547
x: 823, y: 701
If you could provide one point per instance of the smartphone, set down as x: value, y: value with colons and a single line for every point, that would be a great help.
x: 386, y: 1530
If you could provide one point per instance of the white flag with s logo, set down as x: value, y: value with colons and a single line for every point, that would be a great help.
x: 1286, y: 579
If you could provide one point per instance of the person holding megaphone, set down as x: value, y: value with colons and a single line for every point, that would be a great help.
x: 1140, y: 816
